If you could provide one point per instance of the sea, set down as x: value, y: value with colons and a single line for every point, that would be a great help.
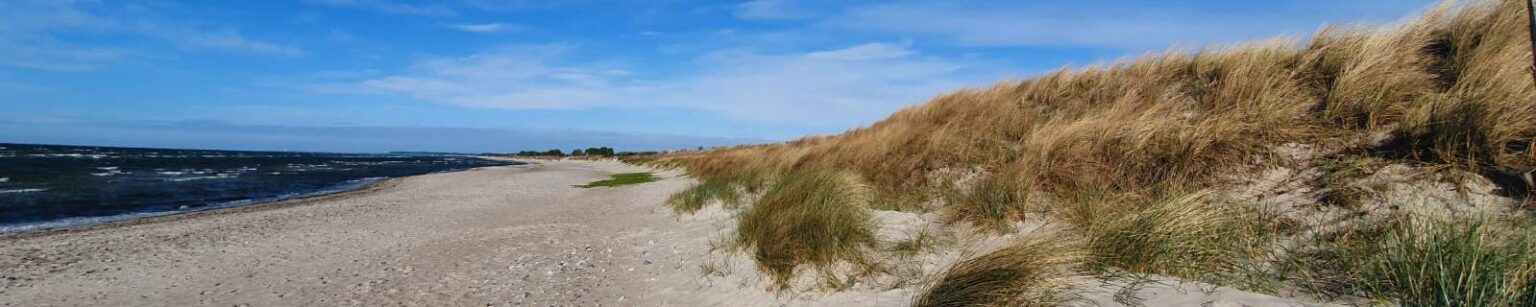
x: 52, y: 186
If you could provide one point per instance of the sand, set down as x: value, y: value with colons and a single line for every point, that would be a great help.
x: 498, y: 236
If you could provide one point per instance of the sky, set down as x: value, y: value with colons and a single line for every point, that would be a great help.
x: 507, y: 75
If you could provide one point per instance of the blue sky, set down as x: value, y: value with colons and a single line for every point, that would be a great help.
x: 499, y: 75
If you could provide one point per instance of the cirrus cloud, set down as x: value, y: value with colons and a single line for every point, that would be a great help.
x: 825, y: 88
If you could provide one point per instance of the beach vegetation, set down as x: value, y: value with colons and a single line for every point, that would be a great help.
x: 1033, y: 271
x: 621, y: 180
x: 818, y: 220
x: 1422, y: 261
x: 1140, y: 161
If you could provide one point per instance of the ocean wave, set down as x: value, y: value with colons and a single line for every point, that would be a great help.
x: 193, y: 178
x: 109, y: 171
x: 92, y: 220
x: 22, y: 191
x: 5, y: 179
x: 69, y: 155
x: 78, y: 221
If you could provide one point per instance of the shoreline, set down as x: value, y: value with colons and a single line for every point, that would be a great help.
x: 170, y: 216
x: 493, y: 236
x: 177, y: 216
x: 503, y: 235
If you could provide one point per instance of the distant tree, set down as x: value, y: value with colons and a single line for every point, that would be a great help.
x: 578, y: 152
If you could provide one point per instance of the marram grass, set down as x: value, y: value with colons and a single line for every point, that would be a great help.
x: 1108, y: 148
x: 810, y: 219
x: 1033, y: 271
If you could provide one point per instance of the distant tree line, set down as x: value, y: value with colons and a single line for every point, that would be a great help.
x: 551, y: 152
x: 587, y: 152
x: 594, y: 151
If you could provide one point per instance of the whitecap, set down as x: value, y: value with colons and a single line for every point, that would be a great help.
x: 182, y: 179
x: 21, y: 191
x: 5, y: 179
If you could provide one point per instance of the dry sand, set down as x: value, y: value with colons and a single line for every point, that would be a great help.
x: 499, y: 236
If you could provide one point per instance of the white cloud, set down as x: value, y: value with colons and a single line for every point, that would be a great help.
x: 231, y: 40
x: 390, y: 7
x: 1135, y: 25
x: 520, y: 77
x: 481, y: 28
x: 871, y: 51
x: 32, y: 35
x: 769, y: 9
x: 825, y: 88
x: 830, y: 88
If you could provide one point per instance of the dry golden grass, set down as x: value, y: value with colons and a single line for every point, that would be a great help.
x: 1031, y: 272
x: 1452, y: 87
x: 814, y: 219
x: 1179, y: 235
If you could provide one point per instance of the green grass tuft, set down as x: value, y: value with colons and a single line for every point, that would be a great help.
x: 621, y: 179
x: 1465, y: 262
x: 818, y: 219
x: 728, y: 191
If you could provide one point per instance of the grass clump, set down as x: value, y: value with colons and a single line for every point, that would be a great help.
x: 990, y: 204
x: 1031, y: 272
x: 1425, y: 262
x: 1338, y: 186
x: 1184, y: 236
x: 910, y: 247
x: 818, y: 219
x: 621, y: 179
x: 729, y: 191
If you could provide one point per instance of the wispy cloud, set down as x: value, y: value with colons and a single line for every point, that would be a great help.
x: 769, y: 9
x: 482, y: 27
x: 1132, y: 25
x: 335, y: 138
x: 515, y: 77
x: 232, y: 40
x: 61, y: 35
x: 826, y: 88
x: 391, y: 7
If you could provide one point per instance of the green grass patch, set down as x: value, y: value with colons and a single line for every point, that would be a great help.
x: 621, y: 179
x: 1427, y: 262
x: 699, y: 195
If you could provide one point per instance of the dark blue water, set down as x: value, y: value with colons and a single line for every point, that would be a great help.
x: 46, y: 186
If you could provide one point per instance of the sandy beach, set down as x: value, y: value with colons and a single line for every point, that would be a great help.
x: 498, y: 236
